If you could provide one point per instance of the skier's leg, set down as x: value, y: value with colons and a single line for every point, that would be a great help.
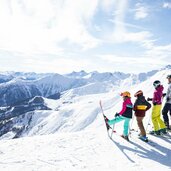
x: 170, y: 114
x: 141, y: 126
x: 160, y: 121
x: 116, y: 120
x: 154, y: 117
x: 126, y: 126
x: 165, y: 114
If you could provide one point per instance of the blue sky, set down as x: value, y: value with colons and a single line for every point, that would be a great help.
x: 71, y: 35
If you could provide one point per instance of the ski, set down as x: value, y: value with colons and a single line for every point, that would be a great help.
x: 168, y: 136
x: 105, y: 118
x: 108, y: 127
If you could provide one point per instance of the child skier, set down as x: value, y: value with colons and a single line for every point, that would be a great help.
x: 125, y: 114
x: 140, y: 108
x: 158, y: 124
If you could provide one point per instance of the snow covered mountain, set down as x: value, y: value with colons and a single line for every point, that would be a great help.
x: 57, y: 83
x: 18, y: 86
x: 73, y: 134
x: 17, y: 90
x: 16, y: 118
x: 9, y: 75
x: 77, y: 109
x: 80, y: 74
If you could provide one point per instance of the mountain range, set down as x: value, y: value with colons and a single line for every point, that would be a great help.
x: 46, y: 103
x: 54, y: 122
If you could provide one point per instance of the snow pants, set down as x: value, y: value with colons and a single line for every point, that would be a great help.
x: 140, y: 125
x: 156, y: 120
x: 165, y: 111
x: 119, y: 119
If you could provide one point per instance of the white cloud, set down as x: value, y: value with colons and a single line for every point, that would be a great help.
x: 162, y: 52
x: 58, y: 65
x: 62, y: 27
x: 121, y: 34
x: 131, y: 60
x: 133, y: 64
x: 167, y: 5
x: 40, y: 26
x: 139, y: 37
x: 141, y: 11
x: 42, y: 63
x: 108, y: 5
x: 129, y: 25
x: 148, y: 44
x: 31, y: 26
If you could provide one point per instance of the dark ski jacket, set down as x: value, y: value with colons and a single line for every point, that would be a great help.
x: 126, y: 108
x: 141, y: 106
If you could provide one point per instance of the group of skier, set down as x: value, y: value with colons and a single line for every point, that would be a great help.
x: 140, y: 107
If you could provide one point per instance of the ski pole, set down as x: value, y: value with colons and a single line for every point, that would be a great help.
x: 100, y: 102
x: 148, y: 123
x: 130, y: 126
x: 112, y: 130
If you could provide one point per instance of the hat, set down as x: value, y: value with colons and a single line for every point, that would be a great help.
x: 168, y: 76
x: 156, y: 83
x: 138, y: 93
x: 126, y: 94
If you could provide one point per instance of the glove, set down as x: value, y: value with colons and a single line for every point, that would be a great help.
x: 164, y: 94
x: 167, y: 99
x: 117, y: 114
x: 149, y: 99
x: 154, y: 103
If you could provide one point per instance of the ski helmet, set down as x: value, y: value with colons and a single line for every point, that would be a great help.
x: 156, y: 83
x: 126, y: 94
x: 138, y: 93
x: 168, y: 76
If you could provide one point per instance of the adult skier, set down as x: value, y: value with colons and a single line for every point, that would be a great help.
x: 167, y: 106
x: 158, y: 124
x: 124, y: 115
x: 140, y: 107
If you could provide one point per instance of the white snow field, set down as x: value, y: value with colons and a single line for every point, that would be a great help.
x: 85, y: 150
x: 73, y: 135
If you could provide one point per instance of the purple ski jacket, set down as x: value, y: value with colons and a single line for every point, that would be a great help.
x: 157, y: 96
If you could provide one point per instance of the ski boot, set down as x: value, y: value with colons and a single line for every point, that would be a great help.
x: 155, y: 132
x: 125, y: 137
x: 163, y: 131
x: 143, y: 138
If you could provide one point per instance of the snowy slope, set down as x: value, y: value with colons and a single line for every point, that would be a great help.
x: 74, y: 135
x: 80, y: 105
x: 78, y: 108
x: 85, y: 150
